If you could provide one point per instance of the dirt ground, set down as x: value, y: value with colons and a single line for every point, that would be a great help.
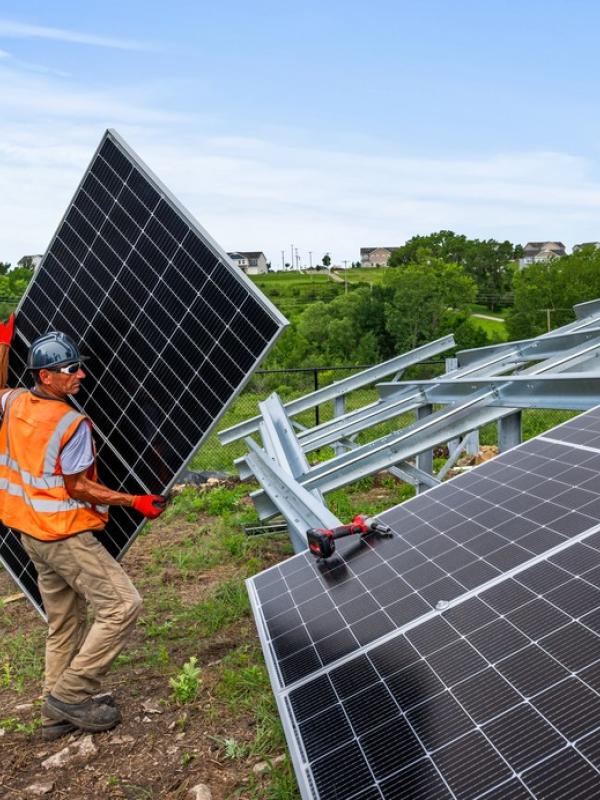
x: 160, y: 750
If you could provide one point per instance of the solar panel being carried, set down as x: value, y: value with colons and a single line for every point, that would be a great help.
x: 460, y: 657
x: 173, y: 330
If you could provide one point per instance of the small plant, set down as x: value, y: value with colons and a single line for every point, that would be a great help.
x: 186, y: 683
x: 187, y: 758
x: 113, y: 780
x: 13, y: 725
x: 232, y: 749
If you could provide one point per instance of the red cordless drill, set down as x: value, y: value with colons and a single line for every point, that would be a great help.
x: 321, y: 541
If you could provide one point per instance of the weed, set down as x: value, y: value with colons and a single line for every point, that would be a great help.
x: 232, y: 749
x: 155, y: 630
x: 13, y: 725
x: 113, y: 780
x: 187, y: 682
x: 186, y: 758
x: 157, y: 656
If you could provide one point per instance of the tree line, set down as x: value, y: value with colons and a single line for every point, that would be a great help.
x: 434, y: 282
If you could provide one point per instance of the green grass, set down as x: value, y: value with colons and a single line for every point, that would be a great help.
x: 496, y: 330
x: 21, y: 659
x: 244, y: 683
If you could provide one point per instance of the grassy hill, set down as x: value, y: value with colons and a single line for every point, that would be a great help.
x: 291, y: 292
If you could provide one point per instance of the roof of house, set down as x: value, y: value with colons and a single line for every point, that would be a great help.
x: 366, y: 250
x: 240, y: 254
x: 536, y: 247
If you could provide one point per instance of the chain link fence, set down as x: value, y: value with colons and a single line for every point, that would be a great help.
x: 292, y: 383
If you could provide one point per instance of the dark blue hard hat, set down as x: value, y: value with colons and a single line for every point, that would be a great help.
x: 53, y: 349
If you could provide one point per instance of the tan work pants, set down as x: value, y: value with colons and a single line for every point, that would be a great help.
x: 71, y: 573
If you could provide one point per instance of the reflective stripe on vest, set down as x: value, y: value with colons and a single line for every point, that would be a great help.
x: 51, y: 482
x: 54, y: 444
x: 44, y: 506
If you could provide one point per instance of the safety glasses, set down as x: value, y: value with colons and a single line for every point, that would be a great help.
x: 70, y: 369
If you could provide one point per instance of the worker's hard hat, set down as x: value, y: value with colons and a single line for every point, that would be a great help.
x: 53, y: 349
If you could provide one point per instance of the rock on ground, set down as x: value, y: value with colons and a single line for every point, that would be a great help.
x: 200, y: 792
x: 85, y: 748
x: 38, y: 789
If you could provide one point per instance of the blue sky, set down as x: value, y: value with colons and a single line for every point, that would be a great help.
x: 328, y: 125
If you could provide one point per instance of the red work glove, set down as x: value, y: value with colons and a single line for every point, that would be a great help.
x: 6, y: 330
x: 150, y: 505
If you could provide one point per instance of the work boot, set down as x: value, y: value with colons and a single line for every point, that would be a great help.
x: 54, y: 730
x: 87, y: 716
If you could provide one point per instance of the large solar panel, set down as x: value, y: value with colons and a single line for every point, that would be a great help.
x: 173, y: 330
x: 447, y: 660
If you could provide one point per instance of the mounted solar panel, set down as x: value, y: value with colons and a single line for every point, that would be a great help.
x: 365, y: 650
x: 172, y: 328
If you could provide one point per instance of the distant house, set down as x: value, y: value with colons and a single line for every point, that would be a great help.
x: 536, y: 252
x: 254, y: 263
x: 595, y: 245
x: 30, y: 262
x: 375, y: 256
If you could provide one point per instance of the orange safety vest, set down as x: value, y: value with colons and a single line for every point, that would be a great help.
x: 33, y: 496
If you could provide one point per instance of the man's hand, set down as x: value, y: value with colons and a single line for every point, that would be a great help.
x: 150, y: 505
x: 6, y: 330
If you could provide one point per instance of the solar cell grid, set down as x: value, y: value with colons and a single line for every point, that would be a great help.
x: 446, y: 542
x: 173, y: 332
x: 480, y: 721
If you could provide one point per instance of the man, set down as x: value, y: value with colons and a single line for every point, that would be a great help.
x: 49, y: 492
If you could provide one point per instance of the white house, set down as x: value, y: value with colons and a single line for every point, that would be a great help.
x: 375, y: 256
x: 31, y: 262
x: 254, y: 263
x: 536, y: 252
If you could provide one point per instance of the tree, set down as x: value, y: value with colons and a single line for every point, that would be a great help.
x: 488, y: 262
x: 4, y: 267
x: 420, y: 297
x: 550, y: 289
x: 326, y: 260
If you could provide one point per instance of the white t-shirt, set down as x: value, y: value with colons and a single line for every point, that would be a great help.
x: 78, y: 453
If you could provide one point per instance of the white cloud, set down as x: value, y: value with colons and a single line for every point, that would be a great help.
x: 21, y: 30
x: 251, y: 193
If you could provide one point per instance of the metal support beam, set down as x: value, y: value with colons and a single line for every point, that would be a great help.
x: 339, y: 409
x: 509, y: 431
x: 299, y: 507
x: 576, y: 391
x: 472, y: 443
x: 546, y: 346
x: 446, y: 424
x: 424, y: 459
x: 279, y: 439
x: 361, y: 379
x: 453, y: 456
x: 452, y: 367
x: 589, y: 309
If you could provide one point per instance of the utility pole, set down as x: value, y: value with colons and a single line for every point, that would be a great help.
x: 310, y: 257
x: 292, y: 258
x: 548, y: 321
x: 297, y: 259
x: 345, y: 276
x: 283, y: 259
